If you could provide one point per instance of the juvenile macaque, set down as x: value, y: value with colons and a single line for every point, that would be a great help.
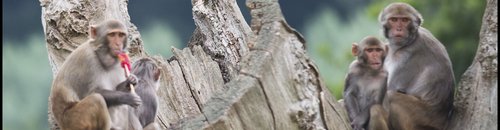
x: 148, y: 74
x: 365, y: 84
x: 420, y: 76
x: 84, y: 88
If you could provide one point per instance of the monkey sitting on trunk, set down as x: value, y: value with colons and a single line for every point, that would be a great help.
x: 83, y: 92
x: 365, y: 85
x: 420, y: 81
x: 148, y: 75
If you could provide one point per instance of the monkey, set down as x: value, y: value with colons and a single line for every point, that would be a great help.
x: 83, y: 92
x: 148, y: 74
x: 365, y: 83
x: 420, y: 81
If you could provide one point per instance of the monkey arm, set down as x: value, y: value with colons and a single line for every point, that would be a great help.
x: 125, y: 85
x: 352, y: 106
x: 381, y: 93
x: 114, y: 98
x: 351, y: 98
x: 361, y: 119
x: 357, y: 115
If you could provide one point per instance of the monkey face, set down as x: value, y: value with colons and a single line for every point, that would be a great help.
x: 116, y: 40
x: 110, y: 37
x: 373, y: 56
x: 370, y: 52
x: 398, y: 28
x: 400, y: 22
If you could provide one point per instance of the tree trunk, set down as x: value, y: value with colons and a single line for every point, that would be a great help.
x: 476, y: 106
x: 239, y: 76
x: 272, y: 84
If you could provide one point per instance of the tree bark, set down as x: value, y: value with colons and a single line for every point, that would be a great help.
x: 275, y: 85
x: 258, y: 76
x: 476, y: 101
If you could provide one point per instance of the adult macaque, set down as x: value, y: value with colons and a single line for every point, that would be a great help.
x: 148, y: 74
x: 420, y: 76
x: 84, y: 88
x: 365, y: 84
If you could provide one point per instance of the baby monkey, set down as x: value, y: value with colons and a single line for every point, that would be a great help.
x: 365, y: 84
x: 148, y: 74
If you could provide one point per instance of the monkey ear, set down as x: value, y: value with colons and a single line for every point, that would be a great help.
x: 93, y: 32
x: 157, y: 74
x: 381, y: 16
x: 420, y: 20
x: 354, y: 49
x: 386, y: 49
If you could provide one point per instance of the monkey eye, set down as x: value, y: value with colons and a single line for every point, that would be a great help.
x: 374, y: 49
x: 112, y: 34
x: 405, y: 19
x: 121, y: 34
x: 118, y: 34
x: 393, y: 19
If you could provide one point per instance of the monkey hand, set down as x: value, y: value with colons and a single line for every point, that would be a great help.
x: 125, y: 85
x: 133, y: 100
x: 357, y: 127
x: 357, y: 124
x: 132, y: 79
x: 401, y: 91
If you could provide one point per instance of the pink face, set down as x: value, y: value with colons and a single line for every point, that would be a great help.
x: 117, y: 39
x: 374, y: 56
x: 398, y: 28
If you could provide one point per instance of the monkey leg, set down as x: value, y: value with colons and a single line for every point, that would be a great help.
x: 134, y: 123
x: 152, y: 126
x: 378, y: 118
x: 91, y: 113
x: 124, y: 118
x: 407, y: 112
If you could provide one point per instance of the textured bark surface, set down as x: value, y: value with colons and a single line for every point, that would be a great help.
x: 189, y: 79
x: 276, y: 86
x: 222, y: 32
x: 476, y: 102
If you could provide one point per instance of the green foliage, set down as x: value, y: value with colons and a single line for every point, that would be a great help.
x: 329, y: 43
x: 26, y: 85
x: 159, y: 38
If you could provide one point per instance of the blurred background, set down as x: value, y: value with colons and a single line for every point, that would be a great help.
x: 329, y: 27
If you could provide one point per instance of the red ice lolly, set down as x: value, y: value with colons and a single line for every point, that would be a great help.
x: 125, y: 63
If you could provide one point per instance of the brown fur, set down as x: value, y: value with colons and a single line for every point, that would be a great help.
x: 84, y: 88
x: 420, y: 81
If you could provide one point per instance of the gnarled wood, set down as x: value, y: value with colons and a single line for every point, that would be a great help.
x: 277, y: 87
x: 476, y: 102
